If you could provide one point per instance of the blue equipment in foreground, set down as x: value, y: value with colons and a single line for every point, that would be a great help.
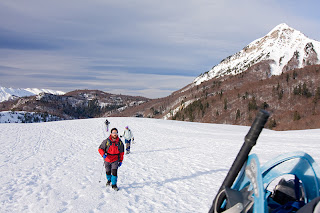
x: 246, y: 189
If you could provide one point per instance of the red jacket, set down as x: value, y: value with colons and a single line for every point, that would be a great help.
x: 113, y: 148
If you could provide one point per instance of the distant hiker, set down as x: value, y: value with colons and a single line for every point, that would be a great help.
x: 128, y: 136
x: 112, y: 150
x: 107, y: 124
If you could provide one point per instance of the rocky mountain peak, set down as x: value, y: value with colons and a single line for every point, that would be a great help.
x: 281, y: 50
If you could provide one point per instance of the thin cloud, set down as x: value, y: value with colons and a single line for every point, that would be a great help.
x: 77, y: 43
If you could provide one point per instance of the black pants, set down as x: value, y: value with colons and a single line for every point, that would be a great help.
x: 111, y: 168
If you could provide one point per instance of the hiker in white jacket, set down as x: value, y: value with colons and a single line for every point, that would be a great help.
x: 128, y: 137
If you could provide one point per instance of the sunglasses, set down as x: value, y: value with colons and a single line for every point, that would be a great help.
x: 114, y: 133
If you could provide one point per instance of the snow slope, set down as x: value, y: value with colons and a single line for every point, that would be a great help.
x: 174, y: 166
x: 25, y: 117
x: 9, y: 93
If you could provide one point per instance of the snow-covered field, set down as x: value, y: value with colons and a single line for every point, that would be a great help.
x: 174, y: 166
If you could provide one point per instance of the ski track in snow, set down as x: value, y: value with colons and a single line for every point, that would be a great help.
x: 174, y: 166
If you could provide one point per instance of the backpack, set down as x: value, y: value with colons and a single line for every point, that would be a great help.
x: 109, y: 143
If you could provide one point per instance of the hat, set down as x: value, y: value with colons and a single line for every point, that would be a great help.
x: 127, y: 127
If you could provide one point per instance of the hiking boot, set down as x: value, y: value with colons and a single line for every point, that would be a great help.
x: 108, y: 183
x: 115, y: 187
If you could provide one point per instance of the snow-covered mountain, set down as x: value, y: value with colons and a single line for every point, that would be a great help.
x: 11, y: 93
x: 282, y: 49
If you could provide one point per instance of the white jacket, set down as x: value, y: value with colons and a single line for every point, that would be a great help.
x: 127, y: 134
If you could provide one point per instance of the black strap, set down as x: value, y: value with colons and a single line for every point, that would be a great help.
x: 113, y: 154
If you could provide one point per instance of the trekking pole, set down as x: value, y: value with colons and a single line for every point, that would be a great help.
x: 250, y: 141
x: 101, y: 173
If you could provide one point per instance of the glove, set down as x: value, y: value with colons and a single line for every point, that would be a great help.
x: 120, y: 163
x: 120, y: 136
x: 104, y: 156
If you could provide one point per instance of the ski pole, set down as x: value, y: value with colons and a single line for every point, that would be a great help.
x: 250, y: 141
x: 101, y: 173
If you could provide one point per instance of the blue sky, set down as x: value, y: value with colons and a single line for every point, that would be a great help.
x: 134, y: 47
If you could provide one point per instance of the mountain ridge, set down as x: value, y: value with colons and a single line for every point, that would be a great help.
x: 72, y: 105
x: 13, y: 93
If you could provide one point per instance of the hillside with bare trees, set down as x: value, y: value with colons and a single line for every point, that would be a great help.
x: 292, y: 98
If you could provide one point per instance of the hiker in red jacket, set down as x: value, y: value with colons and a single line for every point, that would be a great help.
x: 112, y: 150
